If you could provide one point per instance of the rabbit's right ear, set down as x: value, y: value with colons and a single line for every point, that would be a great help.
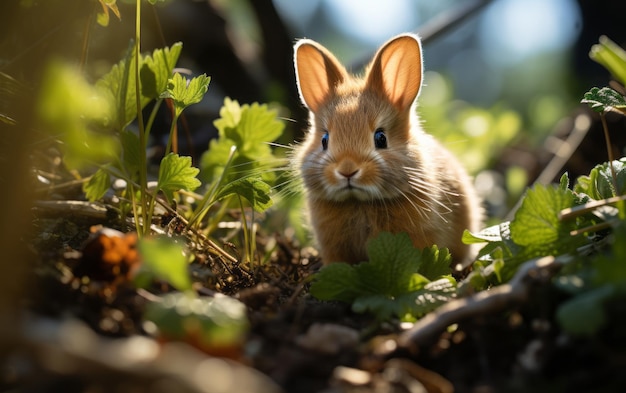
x: 317, y: 73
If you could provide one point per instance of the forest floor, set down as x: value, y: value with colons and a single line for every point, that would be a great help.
x: 84, y: 331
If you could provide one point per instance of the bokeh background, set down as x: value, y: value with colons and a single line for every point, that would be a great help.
x: 503, y: 80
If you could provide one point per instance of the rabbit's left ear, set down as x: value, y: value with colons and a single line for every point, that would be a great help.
x: 396, y: 71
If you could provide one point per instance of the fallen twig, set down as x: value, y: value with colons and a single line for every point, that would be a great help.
x: 486, y: 302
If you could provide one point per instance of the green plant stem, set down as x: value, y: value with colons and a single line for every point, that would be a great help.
x: 172, y: 136
x: 143, y: 169
x: 209, y: 197
x: 609, y: 149
x: 153, y: 114
x: 131, y: 190
x: 246, y: 234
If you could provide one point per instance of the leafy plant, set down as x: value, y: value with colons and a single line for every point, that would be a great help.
x: 101, y: 127
x: 554, y: 220
x: 593, y: 285
x: 597, y: 282
x: 536, y: 230
x: 398, y: 280
x: 249, y: 129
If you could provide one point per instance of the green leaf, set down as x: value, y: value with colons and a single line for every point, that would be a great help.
x: 338, y: 281
x: 564, y: 181
x: 257, y: 126
x: 131, y: 148
x: 119, y: 83
x: 97, y: 185
x: 389, y: 284
x: 156, y: 70
x: 410, y: 305
x: 253, y: 189
x: 537, y: 220
x: 164, y: 258
x: 435, y: 263
x: 489, y: 234
x: 393, y: 261
x: 611, y: 56
x: 584, y: 314
x: 184, y: 92
x: 212, y: 324
x: 251, y: 128
x: 611, y: 268
x: 599, y: 184
x: 79, y: 114
x: 176, y: 173
x: 382, y: 306
x: 433, y: 295
x: 604, y: 99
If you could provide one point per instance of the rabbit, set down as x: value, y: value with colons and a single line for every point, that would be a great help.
x: 367, y: 165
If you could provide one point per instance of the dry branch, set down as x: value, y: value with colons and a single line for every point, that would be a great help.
x: 485, y: 302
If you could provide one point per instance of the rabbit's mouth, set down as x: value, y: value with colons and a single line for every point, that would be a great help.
x: 349, y: 190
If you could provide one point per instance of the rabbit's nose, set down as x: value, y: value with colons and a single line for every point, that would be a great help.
x: 347, y: 169
x: 348, y: 173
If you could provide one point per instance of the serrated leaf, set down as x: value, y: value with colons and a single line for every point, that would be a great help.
x: 119, y: 83
x: 156, y: 70
x: 389, y: 284
x: 537, y: 220
x: 435, y: 263
x: 176, y: 173
x: 338, y: 281
x: 253, y: 189
x: 257, y: 126
x: 604, y: 99
x: 393, y: 261
x: 97, y: 185
x: 251, y: 129
x: 162, y: 257
x: 184, y: 92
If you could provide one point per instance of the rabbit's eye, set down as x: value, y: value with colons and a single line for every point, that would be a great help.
x: 325, y: 141
x: 380, y: 139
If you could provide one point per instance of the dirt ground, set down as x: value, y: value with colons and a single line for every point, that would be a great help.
x: 82, y: 331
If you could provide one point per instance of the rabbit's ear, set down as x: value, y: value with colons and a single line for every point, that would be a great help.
x: 396, y: 71
x: 318, y: 72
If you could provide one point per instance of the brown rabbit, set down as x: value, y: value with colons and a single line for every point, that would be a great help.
x: 366, y: 163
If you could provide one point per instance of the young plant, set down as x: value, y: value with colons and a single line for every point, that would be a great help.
x: 587, y: 222
x: 536, y: 230
x: 399, y: 280
x: 240, y: 165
